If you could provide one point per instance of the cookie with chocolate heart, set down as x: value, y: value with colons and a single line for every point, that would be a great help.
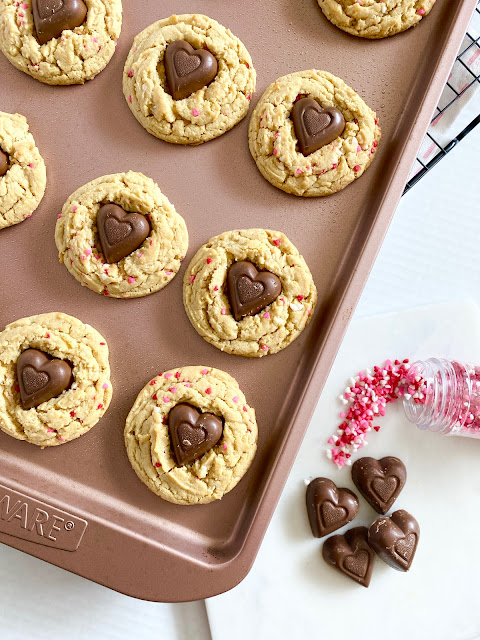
x: 328, y: 507
x: 395, y: 539
x: 188, y: 69
x: 379, y: 481
x: 120, y: 232
x: 41, y: 377
x: 249, y: 292
x: 192, y: 433
x: 351, y: 554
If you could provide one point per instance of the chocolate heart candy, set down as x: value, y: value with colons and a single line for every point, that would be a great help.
x: 192, y: 433
x: 351, y: 554
x: 329, y: 507
x: 120, y: 232
x: 41, y: 377
x: 315, y: 127
x: 249, y: 290
x: 51, y: 17
x: 379, y: 481
x: 394, y: 539
x: 3, y: 163
x: 188, y: 69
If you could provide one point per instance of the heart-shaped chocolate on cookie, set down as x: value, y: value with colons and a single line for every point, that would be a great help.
x: 351, y: 554
x: 41, y: 377
x: 379, y: 481
x: 315, y: 127
x: 120, y: 232
x: 192, y: 433
x: 395, y: 539
x: 4, y: 164
x: 188, y: 69
x: 250, y: 290
x: 51, y: 17
x: 329, y: 507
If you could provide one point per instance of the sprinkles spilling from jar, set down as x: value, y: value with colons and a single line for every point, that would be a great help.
x: 367, y: 397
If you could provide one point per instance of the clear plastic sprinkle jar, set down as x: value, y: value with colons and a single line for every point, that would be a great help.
x: 448, y: 401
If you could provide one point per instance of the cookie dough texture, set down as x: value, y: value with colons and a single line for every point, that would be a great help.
x: 74, y: 411
x: 148, y: 444
x: 150, y: 267
x: 272, y: 329
x: 23, y: 186
x: 273, y: 143
x: 76, y: 56
x: 373, y: 19
x: 206, y: 113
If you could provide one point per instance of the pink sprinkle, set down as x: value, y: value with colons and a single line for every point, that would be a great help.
x: 334, y: 165
x: 100, y: 406
x: 74, y: 208
x: 245, y: 409
x: 50, y: 430
x: 421, y: 12
x: 208, y: 391
x: 223, y: 312
x: 299, y: 171
x: 60, y: 438
x: 168, y: 273
x: 130, y: 99
x: 173, y: 390
x: 187, y: 384
x: 192, y: 278
x: 356, y: 167
x: 157, y: 464
x: 359, y: 148
x: 88, y: 252
x: 131, y: 280
x: 130, y: 74
x: 215, y: 288
x: 24, y: 5
x: 168, y: 375
x: 196, y: 112
x: 20, y: 14
x: 276, y: 135
x: 139, y: 255
x: 31, y: 165
x: 249, y: 97
x: 84, y: 258
x: 275, y: 151
x: 177, y: 375
x: 166, y: 399
x: 266, y: 315
x: 204, y: 372
x: 59, y: 216
x: 225, y: 446
x: 235, y: 398
x: 48, y: 335
x: 151, y: 242
x: 276, y: 242
x: 264, y: 347
x: 309, y: 312
x: 95, y: 39
x: 104, y: 385
x: 300, y: 297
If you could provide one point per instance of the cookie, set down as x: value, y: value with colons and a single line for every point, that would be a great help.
x: 127, y: 250
x: 32, y: 352
x: 373, y: 19
x: 50, y: 48
x: 211, y: 395
x: 269, y: 318
x: 195, y: 45
x: 274, y: 143
x: 23, y: 176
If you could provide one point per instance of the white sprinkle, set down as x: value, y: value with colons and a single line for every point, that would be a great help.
x: 407, y: 396
x: 156, y: 409
x: 296, y: 306
x: 74, y: 386
x: 103, y: 277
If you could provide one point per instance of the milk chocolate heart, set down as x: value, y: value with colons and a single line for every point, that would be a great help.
x: 41, y: 377
x: 4, y: 164
x: 379, y: 481
x: 329, y: 507
x: 249, y: 290
x: 51, y: 17
x: 315, y: 127
x: 351, y: 554
x: 192, y: 433
x: 188, y: 69
x: 395, y: 539
x: 120, y: 232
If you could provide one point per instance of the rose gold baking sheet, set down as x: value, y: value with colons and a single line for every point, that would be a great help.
x: 134, y: 542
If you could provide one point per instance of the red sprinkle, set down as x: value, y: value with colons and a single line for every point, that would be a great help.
x: 208, y: 391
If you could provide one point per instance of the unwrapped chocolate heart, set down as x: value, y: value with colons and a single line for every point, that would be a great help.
x: 51, y: 17
x: 314, y: 126
x: 250, y: 290
x: 188, y: 69
x: 329, y: 507
x: 395, y: 539
x: 351, y: 554
x: 379, y: 481
x: 192, y: 433
x: 41, y: 377
x: 120, y: 232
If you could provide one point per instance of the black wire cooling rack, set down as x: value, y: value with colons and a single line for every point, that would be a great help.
x: 469, y: 49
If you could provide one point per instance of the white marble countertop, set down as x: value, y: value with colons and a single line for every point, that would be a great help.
x: 429, y: 256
